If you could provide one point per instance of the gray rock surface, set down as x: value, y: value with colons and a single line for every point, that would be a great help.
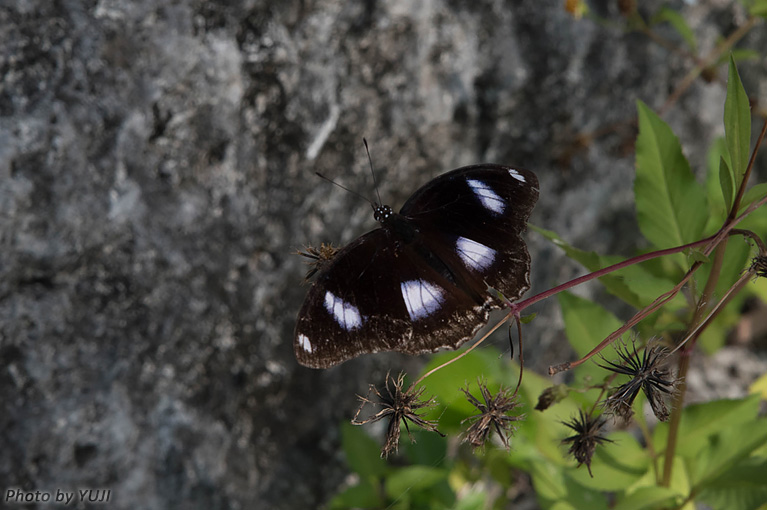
x: 156, y: 172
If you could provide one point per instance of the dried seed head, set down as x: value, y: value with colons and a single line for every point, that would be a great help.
x: 319, y: 257
x: 397, y: 406
x: 494, y: 415
x: 586, y: 438
x: 647, y: 374
x: 551, y: 396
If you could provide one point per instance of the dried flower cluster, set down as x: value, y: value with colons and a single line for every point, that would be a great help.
x: 406, y: 407
x: 586, y: 438
x: 397, y: 406
x: 494, y: 415
x: 318, y: 257
x: 551, y: 396
x: 647, y: 374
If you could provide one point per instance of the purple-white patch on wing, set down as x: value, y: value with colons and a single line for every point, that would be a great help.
x: 475, y: 255
x: 346, y: 314
x: 489, y: 198
x: 421, y: 298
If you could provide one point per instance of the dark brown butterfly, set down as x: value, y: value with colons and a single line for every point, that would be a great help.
x: 420, y: 282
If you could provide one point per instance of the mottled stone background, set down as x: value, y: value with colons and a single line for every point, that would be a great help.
x: 156, y: 172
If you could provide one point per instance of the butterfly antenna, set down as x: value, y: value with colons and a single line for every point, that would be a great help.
x: 344, y: 188
x: 370, y: 160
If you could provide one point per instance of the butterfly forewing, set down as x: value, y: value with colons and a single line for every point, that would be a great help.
x: 475, y: 216
x: 420, y: 282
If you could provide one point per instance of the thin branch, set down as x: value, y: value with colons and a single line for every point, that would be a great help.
x: 747, y: 174
x: 715, y: 54
x: 467, y: 351
x: 661, y: 300
x: 521, y: 305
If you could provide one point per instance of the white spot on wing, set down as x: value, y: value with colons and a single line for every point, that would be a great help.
x: 421, y: 298
x: 346, y: 314
x: 475, y: 255
x: 518, y: 176
x: 487, y: 196
x: 305, y: 344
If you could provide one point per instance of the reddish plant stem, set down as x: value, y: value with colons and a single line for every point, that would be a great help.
x: 677, y: 400
x: 712, y: 241
x: 742, y: 188
x: 518, y: 320
x: 521, y: 305
x: 731, y: 293
x: 467, y: 351
x: 700, y: 325
x: 710, y: 60
x: 636, y: 319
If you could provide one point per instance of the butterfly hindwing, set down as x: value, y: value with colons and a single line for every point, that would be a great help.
x: 356, y: 306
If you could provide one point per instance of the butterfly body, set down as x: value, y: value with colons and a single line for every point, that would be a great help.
x: 419, y: 282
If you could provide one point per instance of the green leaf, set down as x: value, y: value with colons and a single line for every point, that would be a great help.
x: 671, y: 204
x: 445, y: 384
x: 680, y: 25
x: 548, y: 482
x: 739, y: 488
x: 413, y: 478
x: 586, y: 324
x: 561, y: 505
x: 556, y: 489
x: 726, y: 182
x: 680, y: 476
x: 735, y: 261
x: 649, y: 498
x: 583, y: 497
x: 615, y: 465
x: 362, y: 495
x: 737, y: 124
x: 474, y: 499
x: 718, y: 209
x: 759, y: 386
x: 702, y: 420
x: 739, y: 55
x: 736, y: 258
x: 754, y: 193
x: 743, y: 54
x: 426, y: 447
x: 758, y: 8
x: 726, y: 449
x: 699, y: 256
x: 593, y: 262
x: 538, y: 435
x: 362, y: 453
x: 635, y: 284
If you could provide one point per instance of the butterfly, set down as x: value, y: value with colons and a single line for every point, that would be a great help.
x: 420, y: 282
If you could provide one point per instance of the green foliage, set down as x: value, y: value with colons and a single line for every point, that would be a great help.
x: 721, y: 456
x: 586, y: 324
x: 737, y: 125
x: 671, y: 205
x: 717, y: 451
x: 757, y: 7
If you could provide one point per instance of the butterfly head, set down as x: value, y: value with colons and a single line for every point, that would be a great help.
x: 382, y: 212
